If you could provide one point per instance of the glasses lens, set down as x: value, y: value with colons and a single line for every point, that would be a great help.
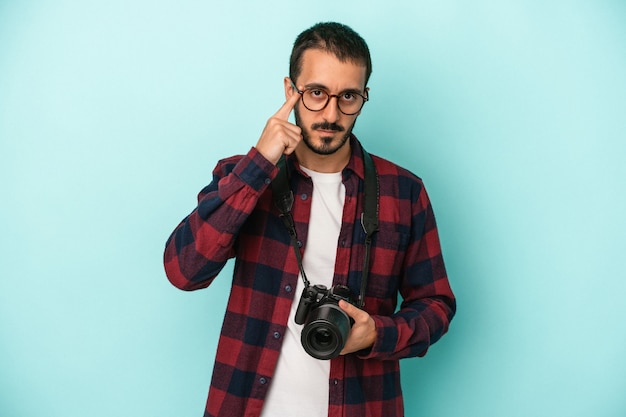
x: 350, y: 103
x: 315, y: 100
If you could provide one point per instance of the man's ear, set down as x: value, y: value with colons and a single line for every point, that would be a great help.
x: 288, y: 88
x: 367, y: 94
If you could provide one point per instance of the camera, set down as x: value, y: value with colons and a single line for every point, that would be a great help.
x: 326, y: 325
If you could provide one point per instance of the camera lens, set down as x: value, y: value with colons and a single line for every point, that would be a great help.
x: 325, y: 333
x: 322, y: 338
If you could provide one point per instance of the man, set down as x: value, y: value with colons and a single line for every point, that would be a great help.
x: 261, y: 367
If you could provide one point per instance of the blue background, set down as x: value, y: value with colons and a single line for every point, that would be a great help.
x: 113, y: 114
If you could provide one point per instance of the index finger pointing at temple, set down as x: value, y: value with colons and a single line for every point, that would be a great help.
x: 284, y: 112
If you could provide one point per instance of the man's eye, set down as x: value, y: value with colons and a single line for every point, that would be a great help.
x: 317, y: 93
x: 348, y: 97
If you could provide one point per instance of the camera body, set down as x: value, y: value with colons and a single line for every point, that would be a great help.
x: 326, y: 325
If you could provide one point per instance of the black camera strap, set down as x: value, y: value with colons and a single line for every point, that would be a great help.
x: 369, y: 217
x: 283, y: 198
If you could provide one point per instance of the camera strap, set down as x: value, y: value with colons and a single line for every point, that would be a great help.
x: 283, y: 198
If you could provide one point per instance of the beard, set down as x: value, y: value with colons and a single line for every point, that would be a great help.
x: 326, y: 147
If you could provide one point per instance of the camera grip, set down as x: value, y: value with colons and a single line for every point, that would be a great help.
x: 309, y: 295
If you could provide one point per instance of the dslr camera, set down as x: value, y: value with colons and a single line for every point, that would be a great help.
x: 326, y: 325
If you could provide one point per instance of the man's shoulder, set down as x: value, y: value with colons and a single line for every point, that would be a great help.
x: 385, y: 167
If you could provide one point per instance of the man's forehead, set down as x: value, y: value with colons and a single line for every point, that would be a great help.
x: 326, y: 69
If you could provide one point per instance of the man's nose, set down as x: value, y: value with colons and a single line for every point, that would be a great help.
x: 331, y: 112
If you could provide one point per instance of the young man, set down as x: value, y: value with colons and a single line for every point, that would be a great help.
x: 261, y: 367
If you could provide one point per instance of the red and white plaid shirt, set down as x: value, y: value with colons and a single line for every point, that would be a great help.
x: 236, y: 217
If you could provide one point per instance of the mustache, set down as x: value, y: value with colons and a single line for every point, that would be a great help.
x: 328, y: 126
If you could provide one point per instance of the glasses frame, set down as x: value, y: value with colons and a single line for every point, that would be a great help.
x: 301, y: 92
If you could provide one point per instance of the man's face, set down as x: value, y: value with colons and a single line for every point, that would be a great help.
x: 325, y: 132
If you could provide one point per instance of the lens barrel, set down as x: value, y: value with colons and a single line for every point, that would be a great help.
x: 326, y: 331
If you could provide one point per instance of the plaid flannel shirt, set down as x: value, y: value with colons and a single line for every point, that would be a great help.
x: 236, y: 217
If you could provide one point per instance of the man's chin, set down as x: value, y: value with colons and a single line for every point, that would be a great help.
x: 326, y: 145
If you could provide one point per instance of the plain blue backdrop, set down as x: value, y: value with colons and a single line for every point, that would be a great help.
x: 113, y: 114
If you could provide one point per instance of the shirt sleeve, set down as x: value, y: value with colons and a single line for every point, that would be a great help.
x: 199, y: 247
x: 428, y: 303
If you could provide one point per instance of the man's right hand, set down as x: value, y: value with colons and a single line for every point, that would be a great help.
x: 279, y: 136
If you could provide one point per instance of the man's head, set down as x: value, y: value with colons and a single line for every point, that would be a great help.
x: 328, y: 60
x: 334, y: 38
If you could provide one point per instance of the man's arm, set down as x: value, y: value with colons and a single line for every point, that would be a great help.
x: 428, y: 302
x: 199, y: 247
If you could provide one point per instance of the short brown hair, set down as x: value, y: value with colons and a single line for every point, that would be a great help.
x: 336, y: 38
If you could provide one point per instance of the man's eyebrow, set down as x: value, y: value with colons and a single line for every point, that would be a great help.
x: 315, y: 85
x: 312, y: 86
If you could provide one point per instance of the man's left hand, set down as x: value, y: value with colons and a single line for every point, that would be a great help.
x: 363, y: 332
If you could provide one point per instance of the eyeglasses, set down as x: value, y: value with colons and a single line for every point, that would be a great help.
x: 316, y: 99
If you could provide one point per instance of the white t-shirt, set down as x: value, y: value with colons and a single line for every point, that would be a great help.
x: 300, y: 384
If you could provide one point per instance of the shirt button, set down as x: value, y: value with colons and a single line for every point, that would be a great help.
x: 268, y: 181
x: 335, y: 381
x: 263, y: 380
x: 299, y: 243
x: 288, y: 288
x: 276, y: 335
x: 304, y: 196
x: 343, y: 243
